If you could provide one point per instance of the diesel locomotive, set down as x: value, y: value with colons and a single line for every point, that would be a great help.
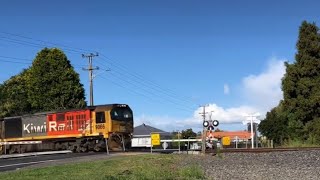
x: 94, y: 128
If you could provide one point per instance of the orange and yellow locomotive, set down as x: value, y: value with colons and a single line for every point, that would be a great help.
x: 97, y: 128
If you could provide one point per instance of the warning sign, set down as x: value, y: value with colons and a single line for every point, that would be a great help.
x: 226, y: 141
x: 155, y: 139
x: 155, y: 136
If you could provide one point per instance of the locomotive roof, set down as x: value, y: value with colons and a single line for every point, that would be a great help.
x: 67, y: 110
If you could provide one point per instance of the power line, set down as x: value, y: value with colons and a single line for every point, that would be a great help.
x: 37, y: 45
x: 47, y: 42
x: 143, y: 81
x: 7, y: 57
x: 15, y: 62
x: 26, y: 61
x: 150, y: 89
x: 148, y: 82
x: 152, y: 93
x: 133, y: 91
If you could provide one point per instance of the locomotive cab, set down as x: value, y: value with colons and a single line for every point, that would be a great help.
x: 122, y: 119
x: 117, y: 118
x: 115, y: 123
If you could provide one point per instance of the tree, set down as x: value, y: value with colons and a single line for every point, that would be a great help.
x: 49, y: 84
x: 188, y: 133
x: 218, y: 130
x: 300, y: 84
x: 297, y: 116
x: 274, y: 126
x: 13, y: 96
x: 53, y: 82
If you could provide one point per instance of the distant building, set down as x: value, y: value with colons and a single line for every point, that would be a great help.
x: 234, y: 135
x: 142, y: 135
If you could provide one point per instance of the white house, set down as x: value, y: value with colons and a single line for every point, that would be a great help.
x: 142, y: 135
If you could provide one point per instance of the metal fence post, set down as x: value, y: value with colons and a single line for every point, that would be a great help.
x: 179, y: 141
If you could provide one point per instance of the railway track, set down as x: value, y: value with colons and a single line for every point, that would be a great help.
x: 264, y: 150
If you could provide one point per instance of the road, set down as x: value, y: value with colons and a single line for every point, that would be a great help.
x: 54, y: 159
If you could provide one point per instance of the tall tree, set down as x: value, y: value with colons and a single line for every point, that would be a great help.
x: 298, y: 115
x: 301, y: 83
x: 53, y: 82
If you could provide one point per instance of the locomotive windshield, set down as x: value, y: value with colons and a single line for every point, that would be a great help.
x: 121, y: 114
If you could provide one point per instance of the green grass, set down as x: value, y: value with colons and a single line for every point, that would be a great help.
x: 125, y: 167
x: 298, y: 143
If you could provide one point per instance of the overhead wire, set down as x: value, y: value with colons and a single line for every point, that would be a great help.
x: 142, y: 81
x: 141, y: 94
x: 146, y: 89
x: 148, y: 82
x: 26, y: 61
x: 79, y: 50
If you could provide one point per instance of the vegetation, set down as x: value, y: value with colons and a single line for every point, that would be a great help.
x: 49, y: 84
x: 297, y: 117
x: 188, y: 133
x: 125, y: 167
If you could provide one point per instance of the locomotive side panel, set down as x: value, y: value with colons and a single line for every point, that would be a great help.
x: 13, y: 127
x: 68, y: 123
x: 35, y: 125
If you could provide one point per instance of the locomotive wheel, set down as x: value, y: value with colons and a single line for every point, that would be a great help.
x: 83, y: 149
x: 97, y: 148
x: 78, y: 149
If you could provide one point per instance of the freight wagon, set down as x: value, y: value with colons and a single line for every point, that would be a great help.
x: 95, y: 128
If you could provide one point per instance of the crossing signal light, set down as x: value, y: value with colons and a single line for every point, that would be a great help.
x: 215, y: 122
x: 205, y: 124
x: 210, y: 128
x: 210, y: 124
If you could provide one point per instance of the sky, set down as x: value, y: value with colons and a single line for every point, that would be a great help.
x: 165, y: 58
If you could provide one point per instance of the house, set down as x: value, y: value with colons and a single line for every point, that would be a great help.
x: 234, y: 135
x: 142, y: 135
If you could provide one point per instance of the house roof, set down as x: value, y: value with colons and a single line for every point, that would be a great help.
x: 144, y: 129
x: 231, y: 134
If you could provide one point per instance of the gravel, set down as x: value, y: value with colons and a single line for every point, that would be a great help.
x: 272, y: 165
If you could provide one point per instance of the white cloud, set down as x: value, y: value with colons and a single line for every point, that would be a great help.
x: 261, y: 92
x: 226, y: 89
x: 264, y: 90
x: 225, y: 116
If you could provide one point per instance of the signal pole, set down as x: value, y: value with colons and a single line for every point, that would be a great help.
x: 90, y: 69
x: 204, y: 129
x: 251, y: 122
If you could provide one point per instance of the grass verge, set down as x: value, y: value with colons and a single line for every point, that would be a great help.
x: 125, y: 167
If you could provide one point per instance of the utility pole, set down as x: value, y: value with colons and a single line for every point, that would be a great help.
x: 251, y: 121
x: 204, y: 129
x: 90, y: 69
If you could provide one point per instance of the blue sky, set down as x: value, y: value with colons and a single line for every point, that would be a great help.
x: 166, y: 57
